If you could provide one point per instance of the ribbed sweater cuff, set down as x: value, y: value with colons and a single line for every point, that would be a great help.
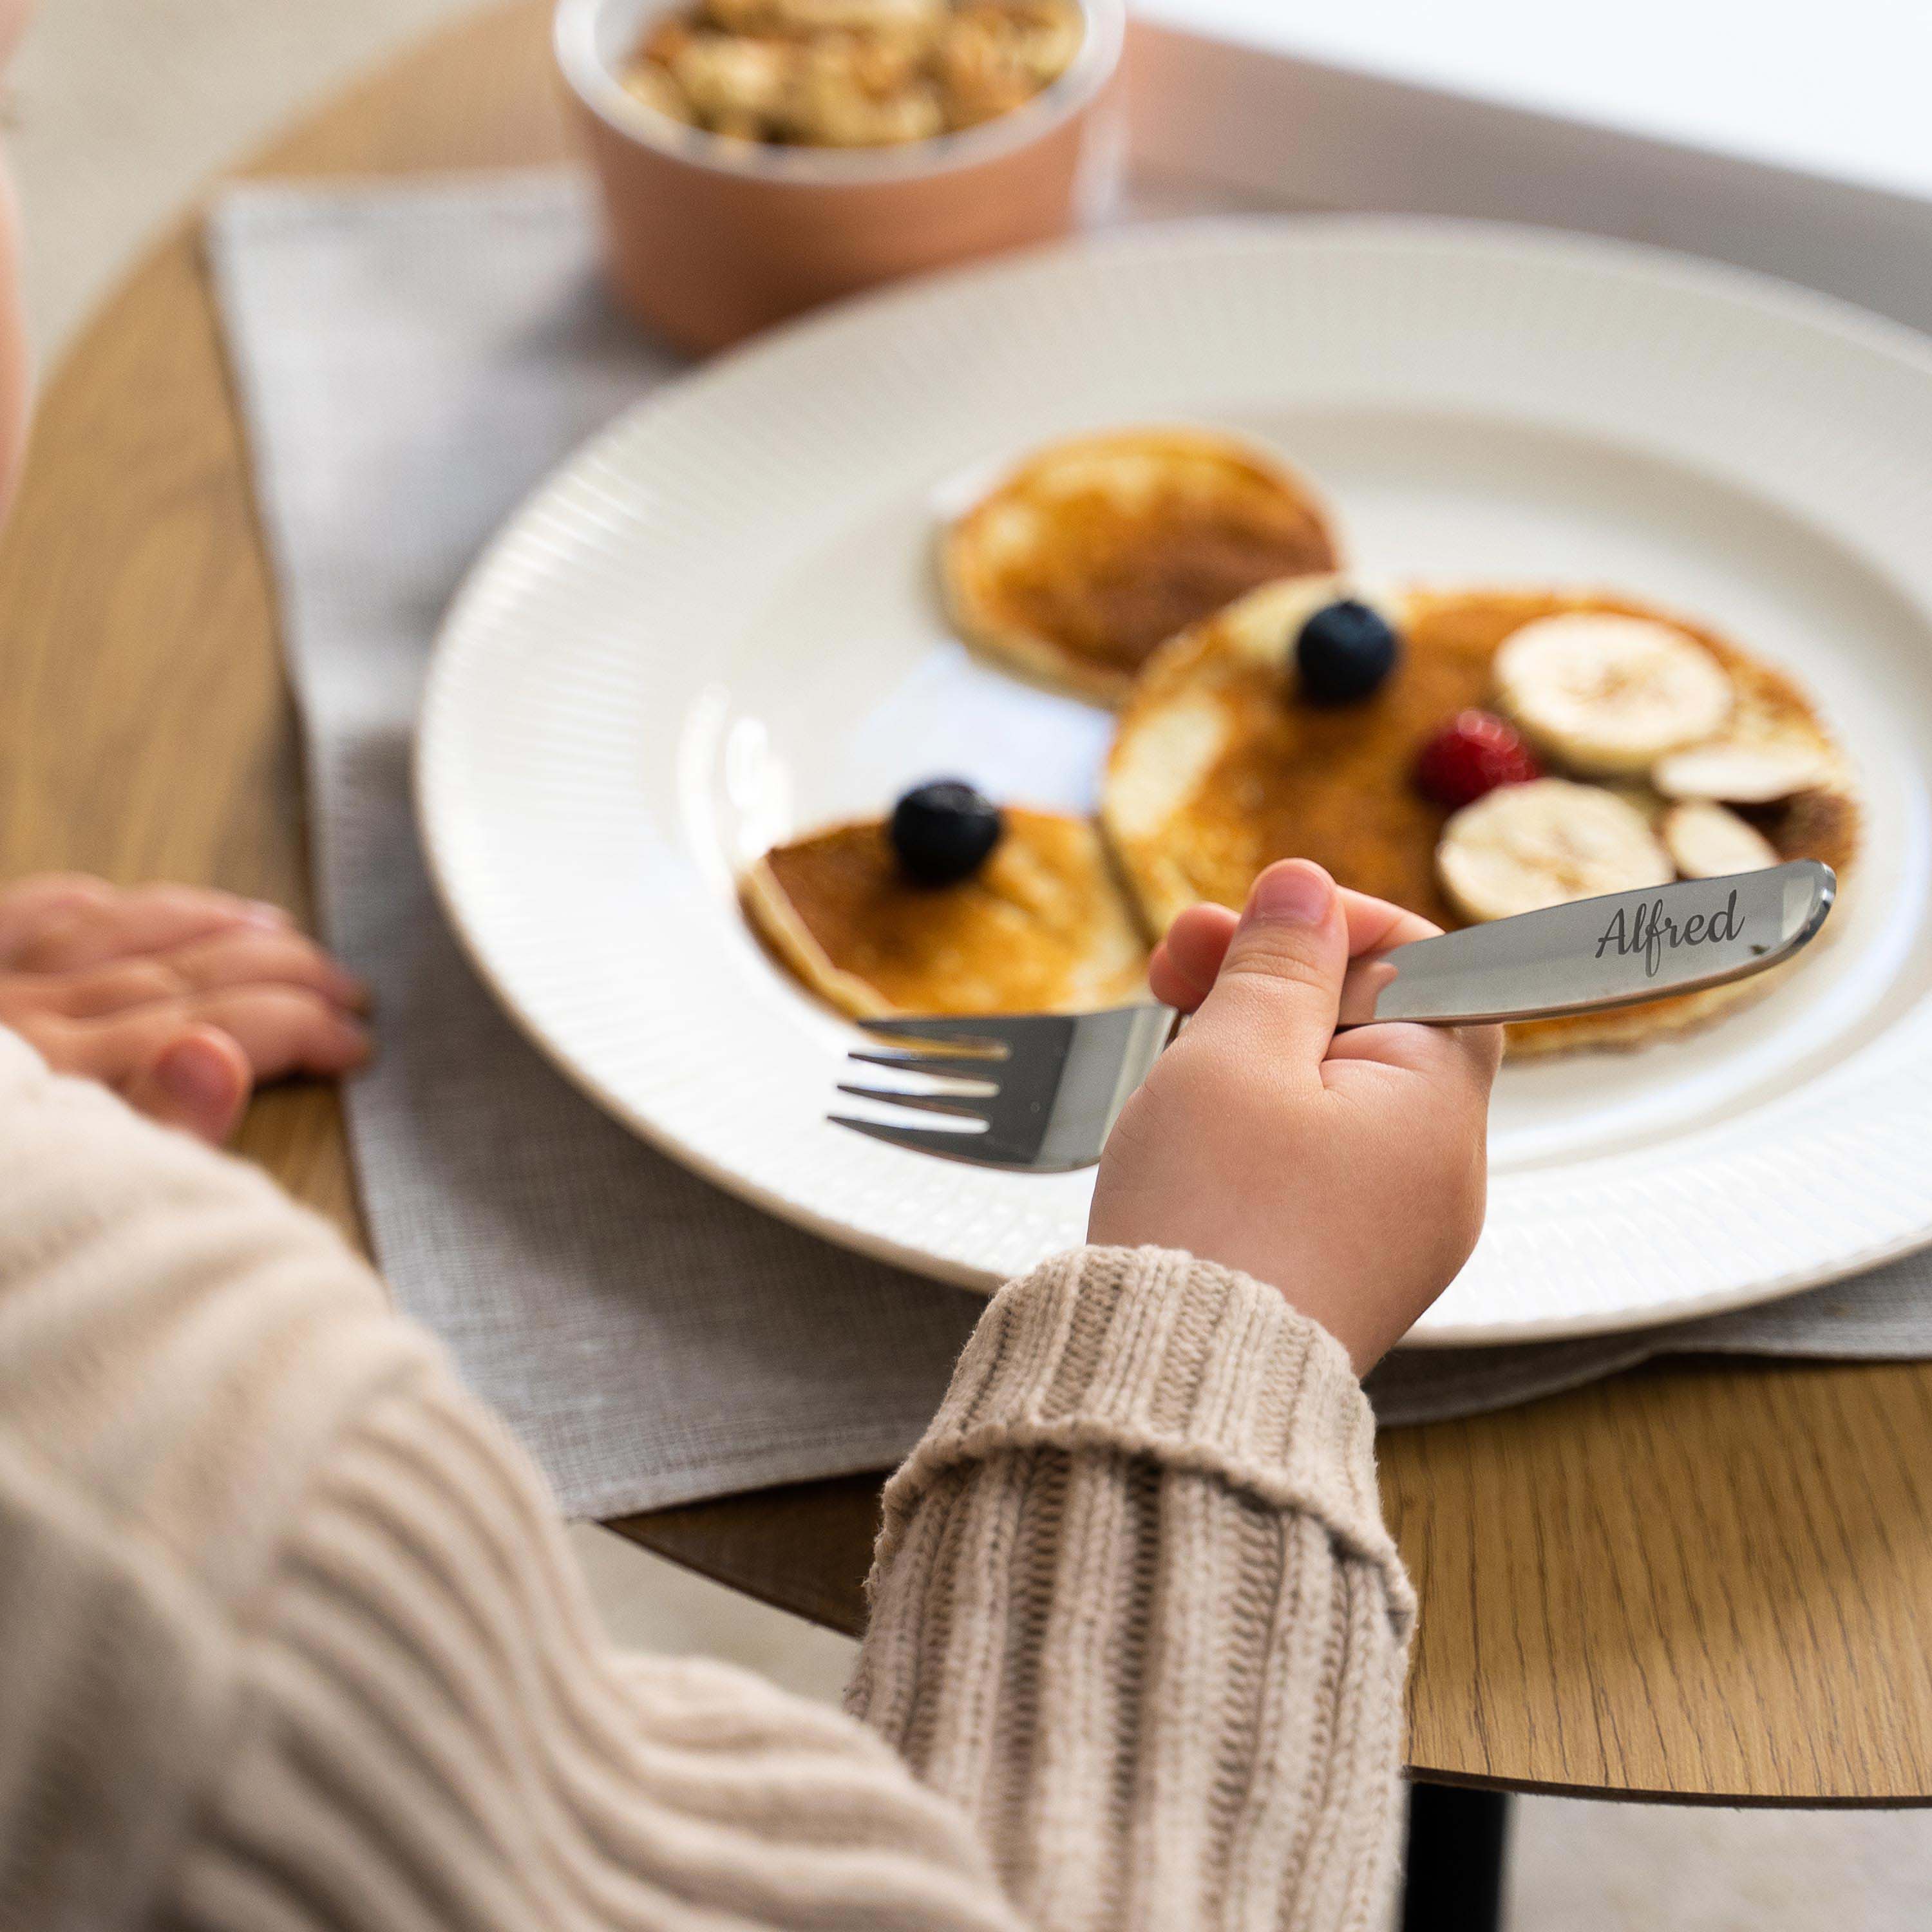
x: 1148, y: 1352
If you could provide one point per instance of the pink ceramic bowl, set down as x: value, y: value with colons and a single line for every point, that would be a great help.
x: 709, y: 239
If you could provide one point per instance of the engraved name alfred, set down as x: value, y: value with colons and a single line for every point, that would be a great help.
x: 1649, y: 930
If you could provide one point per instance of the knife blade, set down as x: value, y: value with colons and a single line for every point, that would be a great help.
x: 1590, y: 954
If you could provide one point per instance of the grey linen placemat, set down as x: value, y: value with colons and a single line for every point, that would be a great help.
x: 411, y: 361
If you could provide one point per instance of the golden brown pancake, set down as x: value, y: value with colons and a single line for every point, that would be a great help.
x: 1096, y: 550
x: 1217, y: 769
x: 1043, y: 926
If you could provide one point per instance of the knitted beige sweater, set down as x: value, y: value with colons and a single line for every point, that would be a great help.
x: 289, y: 1639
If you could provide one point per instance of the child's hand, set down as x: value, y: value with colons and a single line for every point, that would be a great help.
x: 179, y: 997
x: 1348, y: 1170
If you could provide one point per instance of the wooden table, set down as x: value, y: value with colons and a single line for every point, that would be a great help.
x: 1706, y: 1582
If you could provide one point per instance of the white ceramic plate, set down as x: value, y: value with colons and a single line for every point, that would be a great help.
x: 716, y: 625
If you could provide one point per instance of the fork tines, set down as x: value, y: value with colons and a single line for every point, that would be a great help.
x: 1033, y: 1090
x: 970, y: 1051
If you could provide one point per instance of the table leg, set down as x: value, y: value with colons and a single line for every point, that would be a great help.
x: 1452, y: 1870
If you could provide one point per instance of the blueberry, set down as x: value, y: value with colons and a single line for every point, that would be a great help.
x: 943, y: 832
x: 1344, y: 652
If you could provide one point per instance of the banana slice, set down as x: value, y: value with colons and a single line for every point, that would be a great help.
x: 1521, y: 848
x: 1610, y: 694
x: 1707, y: 842
x: 1640, y: 798
x: 1741, y: 774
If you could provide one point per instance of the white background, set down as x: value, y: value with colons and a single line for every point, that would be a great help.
x: 1841, y: 87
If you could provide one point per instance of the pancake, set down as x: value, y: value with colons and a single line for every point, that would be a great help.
x: 1043, y: 926
x: 1217, y: 770
x: 1095, y: 551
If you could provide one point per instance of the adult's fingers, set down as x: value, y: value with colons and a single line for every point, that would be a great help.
x: 198, y: 1082
x: 147, y: 919
x: 283, y: 1029
x: 1281, y: 981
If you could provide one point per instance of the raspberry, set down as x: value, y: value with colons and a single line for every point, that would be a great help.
x: 1473, y: 753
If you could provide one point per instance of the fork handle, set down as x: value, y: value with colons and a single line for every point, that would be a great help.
x: 1593, y: 954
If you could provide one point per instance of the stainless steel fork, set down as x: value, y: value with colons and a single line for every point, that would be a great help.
x: 1042, y: 1091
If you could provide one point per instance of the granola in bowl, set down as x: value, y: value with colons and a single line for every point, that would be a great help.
x: 851, y: 73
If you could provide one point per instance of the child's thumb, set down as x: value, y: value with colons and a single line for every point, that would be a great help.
x: 1281, y: 983
x: 199, y: 1082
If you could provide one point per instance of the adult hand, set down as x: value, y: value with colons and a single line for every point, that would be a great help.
x: 181, y: 998
x: 1347, y: 1170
